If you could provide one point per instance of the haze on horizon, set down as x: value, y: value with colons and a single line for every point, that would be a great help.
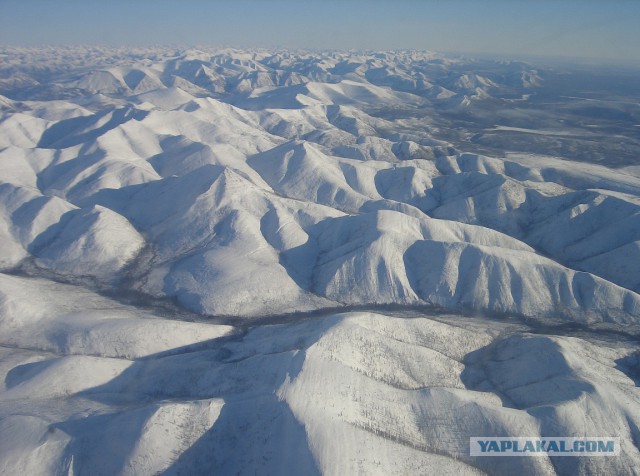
x: 516, y: 28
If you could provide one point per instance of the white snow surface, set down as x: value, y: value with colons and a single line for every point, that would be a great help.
x: 156, y: 206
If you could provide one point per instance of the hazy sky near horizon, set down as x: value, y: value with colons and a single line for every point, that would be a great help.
x: 578, y: 28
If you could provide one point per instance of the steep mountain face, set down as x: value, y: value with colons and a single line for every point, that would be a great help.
x: 250, y: 184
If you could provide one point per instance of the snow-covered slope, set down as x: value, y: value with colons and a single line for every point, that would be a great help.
x: 238, y: 188
x: 346, y: 393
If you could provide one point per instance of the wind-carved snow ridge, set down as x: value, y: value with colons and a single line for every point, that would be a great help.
x: 228, y: 186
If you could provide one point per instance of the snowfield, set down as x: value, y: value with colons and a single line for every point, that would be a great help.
x: 271, y: 262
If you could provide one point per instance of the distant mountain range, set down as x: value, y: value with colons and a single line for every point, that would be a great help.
x: 331, y: 196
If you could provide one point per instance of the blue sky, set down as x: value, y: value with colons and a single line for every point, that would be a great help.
x: 580, y: 28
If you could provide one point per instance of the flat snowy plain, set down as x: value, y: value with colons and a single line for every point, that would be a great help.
x: 284, y: 262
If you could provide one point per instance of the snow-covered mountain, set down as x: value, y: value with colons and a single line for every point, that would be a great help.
x: 315, y: 192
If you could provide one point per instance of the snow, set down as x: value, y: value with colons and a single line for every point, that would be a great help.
x: 348, y: 392
x: 96, y: 242
x: 240, y: 261
x: 531, y: 131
